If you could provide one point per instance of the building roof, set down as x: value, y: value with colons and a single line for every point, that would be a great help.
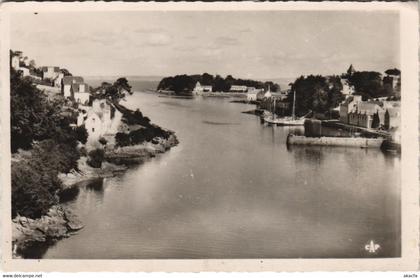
x: 68, y: 80
x: 17, y: 53
x: 76, y: 87
x: 56, y: 69
x: 368, y: 107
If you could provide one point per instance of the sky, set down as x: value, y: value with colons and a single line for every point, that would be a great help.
x: 246, y: 44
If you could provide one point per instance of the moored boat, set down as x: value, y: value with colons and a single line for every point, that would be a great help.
x: 285, y: 121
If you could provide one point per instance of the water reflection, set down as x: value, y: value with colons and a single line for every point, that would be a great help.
x: 69, y: 194
x: 96, y: 186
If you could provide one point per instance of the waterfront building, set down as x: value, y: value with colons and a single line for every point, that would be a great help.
x: 67, y: 82
x: 200, y: 89
x: 50, y: 72
x: 254, y: 94
x: 371, y: 113
x: 267, y: 94
x: 238, y: 89
x: 368, y: 114
x: 347, y: 106
x: 101, y: 119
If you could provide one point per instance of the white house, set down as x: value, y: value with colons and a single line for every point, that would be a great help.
x: 50, y: 72
x: 80, y: 93
x: 348, y: 106
x: 67, y: 82
x: 252, y: 94
x: 25, y: 71
x: 58, y: 79
x: 15, y: 62
x: 238, y: 88
x: 100, y: 120
x: 200, y: 89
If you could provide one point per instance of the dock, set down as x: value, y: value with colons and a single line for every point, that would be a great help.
x: 359, y: 142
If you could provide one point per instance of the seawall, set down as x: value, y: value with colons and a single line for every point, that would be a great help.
x: 359, y: 142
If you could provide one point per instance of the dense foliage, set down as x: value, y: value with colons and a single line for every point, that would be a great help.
x: 34, y: 179
x: 96, y: 157
x: 133, y: 117
x: 141, y: 135
x: 370, y: 84
x: 114, y: 92
x: 316, y: 93
x: 42, y: 127
x: 183, y: 84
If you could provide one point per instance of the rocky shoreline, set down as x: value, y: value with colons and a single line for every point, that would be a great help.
x: 60, y: 222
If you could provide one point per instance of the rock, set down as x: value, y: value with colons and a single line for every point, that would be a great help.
x: 73, y: 222
x: 56, y: 224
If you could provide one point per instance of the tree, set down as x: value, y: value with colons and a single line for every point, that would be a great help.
x: 65, y: 72
x: 32, y: 116
x: 103, y: 141
x: 316, y: 93
x: 368, y: 84
x: 122, y: 139
x: 114, y: 92
x: 393, y: 71
x: 96, y: 157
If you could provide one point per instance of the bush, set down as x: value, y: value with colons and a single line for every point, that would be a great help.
x: 103, y: 141
x: 60, y: 158
x: 96, y: 157
x: 33, y: 189
x: 122, y: 139
x: 81, y: 134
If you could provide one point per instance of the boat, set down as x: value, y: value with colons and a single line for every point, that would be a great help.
x: 285, y: 121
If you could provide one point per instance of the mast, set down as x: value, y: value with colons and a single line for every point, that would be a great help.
x: 274, y: 109
x: 293, y: 108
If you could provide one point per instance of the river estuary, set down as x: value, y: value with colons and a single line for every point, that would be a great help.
x: 232, y: 189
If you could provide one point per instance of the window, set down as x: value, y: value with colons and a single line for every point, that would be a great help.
x: 93, y: 129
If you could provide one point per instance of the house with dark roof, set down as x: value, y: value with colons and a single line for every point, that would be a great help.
x: 50, y: 72
x: 80, y: 92
x: 347, y: 106
x: 67, y: 83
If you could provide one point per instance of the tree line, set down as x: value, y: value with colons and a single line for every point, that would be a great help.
x: 184, y: 84
x: 42, y: 128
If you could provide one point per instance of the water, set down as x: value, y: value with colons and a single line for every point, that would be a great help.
x: 232, y: 189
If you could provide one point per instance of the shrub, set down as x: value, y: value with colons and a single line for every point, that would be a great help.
x: 60, y: 158
x: 103, y: 141
x: 122, y: 139
x: 33, y: 189
x: 81, y: 134
x: 96, y: 157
